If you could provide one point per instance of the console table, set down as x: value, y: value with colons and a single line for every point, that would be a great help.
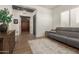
x: 7, y: 42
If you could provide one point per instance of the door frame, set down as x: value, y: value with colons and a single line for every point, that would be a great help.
x: 21, y: 22
x: 34, y: 25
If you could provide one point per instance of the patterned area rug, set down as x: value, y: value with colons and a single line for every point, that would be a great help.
x: 48, y: 46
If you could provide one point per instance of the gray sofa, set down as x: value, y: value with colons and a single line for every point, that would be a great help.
x: 66, y: 35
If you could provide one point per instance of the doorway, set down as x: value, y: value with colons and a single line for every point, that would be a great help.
x: 25, y: 24
x: 34, y: 25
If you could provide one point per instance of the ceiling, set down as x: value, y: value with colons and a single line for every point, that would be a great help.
x: 27, y: 8
x: 49, y: 6
x: 17, y: 7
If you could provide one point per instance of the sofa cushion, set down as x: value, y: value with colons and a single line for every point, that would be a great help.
x: 52, y: 31
x: 68, y: 40
x: 69, y: 34
x: 69, y: 29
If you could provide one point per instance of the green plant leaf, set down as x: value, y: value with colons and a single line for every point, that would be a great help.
x: 4, y: 16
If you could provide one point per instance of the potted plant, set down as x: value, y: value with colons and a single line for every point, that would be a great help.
x: 5, y: 19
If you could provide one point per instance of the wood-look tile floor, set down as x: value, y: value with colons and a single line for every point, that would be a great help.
x: 22, y: 46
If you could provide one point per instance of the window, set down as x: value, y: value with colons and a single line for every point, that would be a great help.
x: 70, y: 18
x: 65, y: 19
x: 75, y: 17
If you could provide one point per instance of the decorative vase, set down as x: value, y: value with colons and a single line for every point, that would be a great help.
x: 3, y: 28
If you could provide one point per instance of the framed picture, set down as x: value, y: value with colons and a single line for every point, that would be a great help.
x: 15, y: 21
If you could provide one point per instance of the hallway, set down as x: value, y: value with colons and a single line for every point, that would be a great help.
x: 22, y: 46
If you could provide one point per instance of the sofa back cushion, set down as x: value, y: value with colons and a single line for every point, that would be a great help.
x: 68, y: 31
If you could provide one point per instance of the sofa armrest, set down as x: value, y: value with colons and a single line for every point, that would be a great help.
x: 46, y: 32
x: 52, y: 29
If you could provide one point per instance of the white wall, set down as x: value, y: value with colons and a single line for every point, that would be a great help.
x: 56, y: 14
x: 43, y: 20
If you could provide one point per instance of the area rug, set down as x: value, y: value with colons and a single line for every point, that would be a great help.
x: 48, y: 46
